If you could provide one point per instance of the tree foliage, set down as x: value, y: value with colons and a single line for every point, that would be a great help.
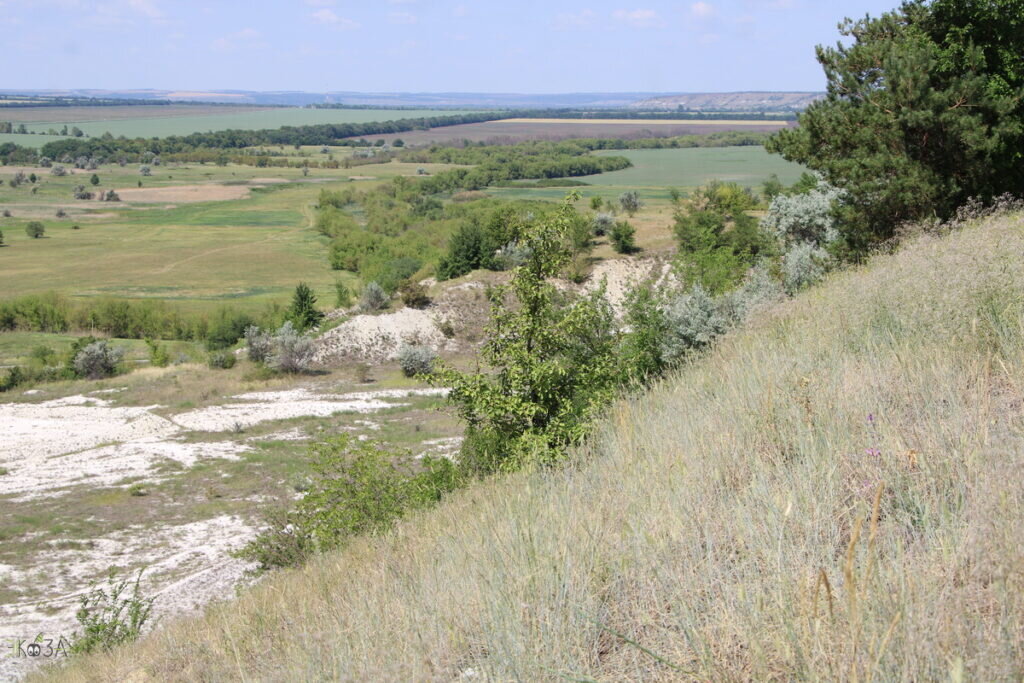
x: 924, y: 109
x: 552, y: 361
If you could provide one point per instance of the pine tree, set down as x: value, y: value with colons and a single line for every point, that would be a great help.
x: 303, y: 312
x: 924, y: 109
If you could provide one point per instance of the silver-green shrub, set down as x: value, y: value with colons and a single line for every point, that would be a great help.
x: 804, y: 217
x: 693, y: 320
x: 258, y: 343
x: 804, y: 265
x: 292, y: 351
x: 416, y: 359
x: 758, y: 289
x: 374, y: 298
x: 97, y: 360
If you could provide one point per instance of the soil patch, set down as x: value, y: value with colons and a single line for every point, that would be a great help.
x: 184, y: 194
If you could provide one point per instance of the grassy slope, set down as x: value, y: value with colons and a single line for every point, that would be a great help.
x: 702, y: 518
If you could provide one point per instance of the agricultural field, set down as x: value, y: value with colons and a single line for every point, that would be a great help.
x: 73, y: 114
x: 95, y: 121
x: 199, y: 236
x: 516, y: 130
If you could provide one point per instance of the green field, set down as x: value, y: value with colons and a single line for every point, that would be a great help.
x: 748, y: 166
x: 35, y: 141
x: 150, y: 127
x: 655, y: 170
x: 250, y: 250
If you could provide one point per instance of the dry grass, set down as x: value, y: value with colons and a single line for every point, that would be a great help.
x: 745, y: 520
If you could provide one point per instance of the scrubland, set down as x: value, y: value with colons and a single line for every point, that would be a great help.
x: 833, y: 492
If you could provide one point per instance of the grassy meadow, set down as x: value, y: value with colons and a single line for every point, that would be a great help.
x: 823, y: 496
x: 248, y: 243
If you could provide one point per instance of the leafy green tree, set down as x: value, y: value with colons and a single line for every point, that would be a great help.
x: 772, y: 187
x: 924, y: 109
x: 35, y: 230
x: 552, y: 361
x: 622, y: 237
x: 342, y: 294
x: 95, y: 179
x: 303, y: 312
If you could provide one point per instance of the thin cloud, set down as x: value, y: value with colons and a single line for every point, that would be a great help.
x: 146, y: 8
x: 581, y: 19
x: 402, y: 18
x: 329, y: 18
x: 702, y: 10
x: 640, y: 18
x: 247, y: 37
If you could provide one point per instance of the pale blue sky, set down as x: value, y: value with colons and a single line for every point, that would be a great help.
x: 421, y: 45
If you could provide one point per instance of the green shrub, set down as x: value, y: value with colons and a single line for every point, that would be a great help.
x: 221, y: 360
x: 14, y: 378
x: 111, y: 617
x: 226, y: 329
x: 357, y: 488
x: 35, y: 229
x: 342, y: 294
x: 414, y: 294
x: 158, y: 354
x: 622, y: 237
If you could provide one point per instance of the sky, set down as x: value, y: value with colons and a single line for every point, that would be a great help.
x: 525, y: 46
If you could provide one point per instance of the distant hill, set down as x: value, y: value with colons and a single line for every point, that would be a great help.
x: 743, y: 101
x: 731, y: 101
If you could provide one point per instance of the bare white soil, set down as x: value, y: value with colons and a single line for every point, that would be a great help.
x: 378, y: 338
x: 51, y: 448
x: 187, y: 567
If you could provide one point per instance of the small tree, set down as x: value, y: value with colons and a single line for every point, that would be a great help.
x: 58, y: 171
x: 596, y: 203
x: 35, y: 230
x: 630, y: 202
x: 303, y: 312
x: 95, y: 179
x: 342, y: 294
x: 1, y: 238
x: 622, y: 237
x: 145, y: 170
x: 111, y: 196
x: 552, y: 360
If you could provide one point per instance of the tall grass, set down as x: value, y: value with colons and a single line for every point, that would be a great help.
x: 833, y: 493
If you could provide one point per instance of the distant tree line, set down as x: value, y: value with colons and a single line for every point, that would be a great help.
x: 319, y: 134
x: 675, y: 115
